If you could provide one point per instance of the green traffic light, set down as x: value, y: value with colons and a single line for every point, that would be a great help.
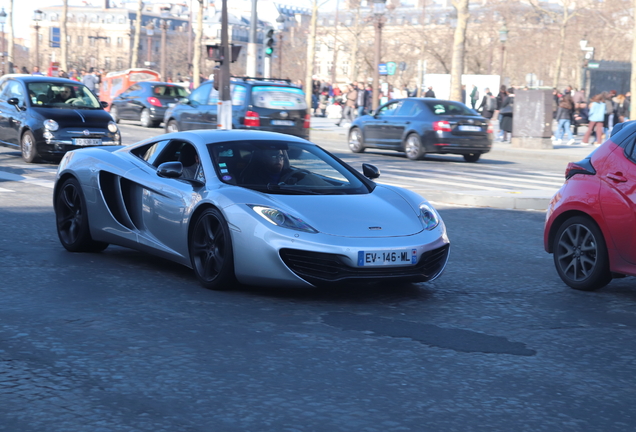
x: 269, y: 51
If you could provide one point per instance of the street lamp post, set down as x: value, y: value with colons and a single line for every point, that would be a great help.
x: 164, y: 28
x: 281, y: 27
x: 150, y: 31
x: 379, y: 7
x: 37, y: 17
x: 3, y: 19
x: 588, y: 55
x: 503, y: 37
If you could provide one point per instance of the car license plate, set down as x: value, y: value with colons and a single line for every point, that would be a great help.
x: 171, y: 104
x: 282, y: 122
x: 465, y: 128
x: 382, y: 258
x: 87, y: 141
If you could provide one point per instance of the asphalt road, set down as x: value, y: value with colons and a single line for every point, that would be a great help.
x: 122, y: 341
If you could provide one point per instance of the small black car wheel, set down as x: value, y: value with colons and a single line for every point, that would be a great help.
x: 580, y: 254
x: 27, y: 146
x: 172, y: 126
x: 145, y: 118
x: 472, y: 157
x: 72, y: 219
x: 413, y: 147
x: 211, y: 251
x: 114, y: 114
x: 356, y: 143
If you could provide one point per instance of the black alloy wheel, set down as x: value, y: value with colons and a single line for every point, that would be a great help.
x: 72, y: 220
x: 28, y: 148
x: 114, y: 114
x: 356, y: 142
x: 472, y: 157
x: 580, y: 254
x: 413, y: 147
x: 211, y: 251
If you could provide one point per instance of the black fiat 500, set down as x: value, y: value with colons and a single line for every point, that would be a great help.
x: 45, y: 117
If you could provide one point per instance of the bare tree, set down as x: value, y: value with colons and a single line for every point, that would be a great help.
x: 135, y: 48
x: 459, y: 45
x: 311, y: 48
x: 11, y: 48
x: 63, y: 41
x: 198, y: 36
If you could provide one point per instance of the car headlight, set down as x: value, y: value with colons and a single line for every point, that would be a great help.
x: 282, y: 219
x: 429, y: 216
x: 51, y: 125
x: 112, y: 126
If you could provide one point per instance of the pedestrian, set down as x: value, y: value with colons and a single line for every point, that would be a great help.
x: 579, y: 98
x: 580, y: 117
x: 488, y: 104
x: 350, y: 104
x: 369, y: 105
x: 564, y: 118
x: 429, y: 93
x: 596, y: 117
x: 622, y: 109
x: 506, y: 111
x: 608, y: 120
x: 464, y: 94
x: 503, y: 94
x: 90, y: 80
x: 36, y: 71
x: 474, y: 96
x: 361, y: 101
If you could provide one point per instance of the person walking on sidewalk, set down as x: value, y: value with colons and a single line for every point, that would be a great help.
x: 564, y: 118
x: 596, y: 117
x: 503, y: 94
x: 474, y: 96
x: 350, y: 104
x: 488, y: 104
x: 506, y: 111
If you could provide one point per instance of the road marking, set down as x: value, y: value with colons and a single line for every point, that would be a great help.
x: 5, y: 190
x: 26, y: 179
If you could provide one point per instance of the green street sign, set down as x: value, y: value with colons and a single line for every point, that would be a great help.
x: 390, y: 68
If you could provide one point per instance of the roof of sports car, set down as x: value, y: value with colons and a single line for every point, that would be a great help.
x: 217, y: 135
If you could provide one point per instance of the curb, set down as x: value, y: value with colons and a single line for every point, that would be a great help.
x: 508, y: 200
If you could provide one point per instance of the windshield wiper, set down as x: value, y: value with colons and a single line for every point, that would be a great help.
x: 291, y: 189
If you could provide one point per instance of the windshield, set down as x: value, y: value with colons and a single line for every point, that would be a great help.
x: 280, y: 167
x: 449, y: 108
x: 278, y: 97
x: 54, y: 95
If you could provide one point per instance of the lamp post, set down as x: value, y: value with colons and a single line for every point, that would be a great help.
x: 588, y: 55
x: 164, y: 28
x: 37, y: 17
x: 503, y: 37
x: 281, y: 27
x: 379, y: 7
x: 3, y: 19
x: 150, y: 31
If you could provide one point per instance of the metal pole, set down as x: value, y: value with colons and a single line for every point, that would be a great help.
x: 501, y: 65
x: 335, y: 48
x: 3, y: 49
x: 149, y: 49
x: 164, y: 27
x: 190, y: 33
x: 224, y: 116
x: 376, y: 62
x: 252, y: 45
x: 37, y: 45
x: 280, y: 54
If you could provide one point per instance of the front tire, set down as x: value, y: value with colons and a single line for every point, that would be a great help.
x: 356, y: 142
x: 172, y: 126
x: 472, y: 157
x: 211, y: 251
x: 580, y: 254
x: 144, y: 118
x: 413, y: 147
x: 72, y: 219
x: 28, y: 148
x: 114, y: 114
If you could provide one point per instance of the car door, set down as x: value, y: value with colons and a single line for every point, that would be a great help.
x: 13, y: 116
x: 4, y: 112
x: 126, y: 104
x: 378, y: 130
x: 192, y: 112
x: 618, y: 197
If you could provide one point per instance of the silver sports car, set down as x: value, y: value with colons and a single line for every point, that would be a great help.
x: 251, y: 207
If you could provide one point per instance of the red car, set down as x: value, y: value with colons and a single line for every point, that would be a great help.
x: 590, y: 225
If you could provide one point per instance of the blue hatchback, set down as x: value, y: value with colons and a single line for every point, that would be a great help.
x: 417, y: 126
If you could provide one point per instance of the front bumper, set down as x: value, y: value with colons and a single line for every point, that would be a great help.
x: 59, y: 142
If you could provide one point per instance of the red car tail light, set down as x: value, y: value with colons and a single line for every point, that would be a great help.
x: 252, y: 119
x: 307, y: 123
x: 442, y: 126
x: 154, y: 101
x: 490, y: 128
x: 582, y: 167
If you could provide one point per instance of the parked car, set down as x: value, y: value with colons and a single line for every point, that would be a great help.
x: 590, y: 222
x: 257, y: 104
x: 46, y: 117
x: 248, y: 206
x: 147, y: 101
x: 417, y: 126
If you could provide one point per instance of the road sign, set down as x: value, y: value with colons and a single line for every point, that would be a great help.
x: 383, y: 69
x: 54, y: 37
x: 390, y: 68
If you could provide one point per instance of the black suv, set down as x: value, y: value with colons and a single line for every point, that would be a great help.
x: 257, y: 103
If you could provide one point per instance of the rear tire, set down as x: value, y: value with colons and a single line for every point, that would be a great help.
x: 144, y: 118
x: 356, y: 142
x: 580, y: 254
x: 71, y: 219
x: 472, y: 157
x: 114, y: 114
x: 211, y: 251
x: 413, y: 147
x: 28, y: 148
x: 172, y: 126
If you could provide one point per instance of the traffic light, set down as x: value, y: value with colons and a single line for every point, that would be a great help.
x: 269, y: 43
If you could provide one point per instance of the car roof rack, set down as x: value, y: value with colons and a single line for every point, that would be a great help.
x: 246, y: 78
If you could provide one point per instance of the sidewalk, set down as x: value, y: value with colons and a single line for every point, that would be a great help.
x: 325, y: 129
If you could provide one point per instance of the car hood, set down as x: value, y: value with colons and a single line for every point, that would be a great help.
x: 68, y: 117
x: 382, y: 213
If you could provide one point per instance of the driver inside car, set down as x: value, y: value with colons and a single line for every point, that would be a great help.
x: 63, y: 95
x: 272, y: 167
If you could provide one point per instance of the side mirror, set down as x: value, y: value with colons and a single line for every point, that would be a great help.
x: 14, y: 101
x: 104, y: 104
x: 370, y: 171
x: 185, y: 101
x: 170, y: 170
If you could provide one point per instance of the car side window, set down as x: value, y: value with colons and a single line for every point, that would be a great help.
x: 184, y: 152
x: 3, y: 87
x: 409, y: 108
x: 149, y: 152
x: 390, y: 109
x: 14, y: 90
x: 630, y: 149
x: 201, y: 94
